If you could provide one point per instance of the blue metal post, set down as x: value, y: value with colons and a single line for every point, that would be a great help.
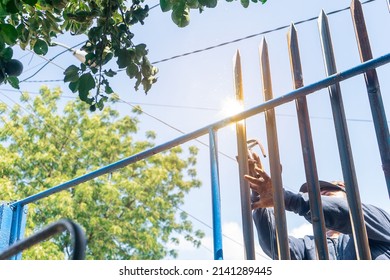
x: 18, y: 226
x: 216, y: 197
x: 5, y: 226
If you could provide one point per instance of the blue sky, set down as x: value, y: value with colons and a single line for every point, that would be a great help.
x: 191, y: 91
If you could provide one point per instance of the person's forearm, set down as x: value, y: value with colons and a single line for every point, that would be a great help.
x: 264, y: 222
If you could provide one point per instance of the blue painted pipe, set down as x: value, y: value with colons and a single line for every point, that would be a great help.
x: 300, y: 92
x: 216, y: 197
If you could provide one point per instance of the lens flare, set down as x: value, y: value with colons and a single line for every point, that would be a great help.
x: 231, y: 107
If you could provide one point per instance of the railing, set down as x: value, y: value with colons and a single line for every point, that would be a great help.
x: 77, y: 234
x: 367, y: 67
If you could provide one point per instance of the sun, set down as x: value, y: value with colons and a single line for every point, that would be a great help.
x: 231, y: 107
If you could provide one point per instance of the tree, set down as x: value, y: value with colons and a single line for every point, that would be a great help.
x: 107, y: 24
x: 128, y: 214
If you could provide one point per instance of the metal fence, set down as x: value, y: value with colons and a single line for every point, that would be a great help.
x: 13, y: 215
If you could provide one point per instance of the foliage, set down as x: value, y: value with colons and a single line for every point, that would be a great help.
x: 128, y: 214
x: 107, y: 24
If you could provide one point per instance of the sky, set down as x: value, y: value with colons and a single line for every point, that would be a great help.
x: 192, y: 89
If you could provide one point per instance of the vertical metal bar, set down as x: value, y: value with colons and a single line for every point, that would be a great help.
x: 18, y: 226
x: 6, y: 214
x: 373, y: 89
x: 274, y: 159
x: 216, y: 197
x: 317, y: 216
x: 346, y: 158
x: 246, y: 211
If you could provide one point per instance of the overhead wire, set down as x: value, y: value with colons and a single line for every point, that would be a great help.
x: 191, y: 53
x: 56, y: 130
x: 251, y: 36
x: 194, y: 52
x: 220, y: 44
x: 210, y: 227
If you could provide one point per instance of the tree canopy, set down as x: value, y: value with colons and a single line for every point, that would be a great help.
x: 108, y: 26
x: 129, y: 214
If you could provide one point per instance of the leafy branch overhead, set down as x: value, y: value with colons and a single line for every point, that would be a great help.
x: 108, y: 27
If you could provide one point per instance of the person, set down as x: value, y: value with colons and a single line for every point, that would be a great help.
x: 336, y: 215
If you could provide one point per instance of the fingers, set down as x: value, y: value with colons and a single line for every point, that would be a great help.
x: 257, y: 160
x: 254, y: 180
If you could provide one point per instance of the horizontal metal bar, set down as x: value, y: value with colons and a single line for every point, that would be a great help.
x: 78, y: 238
x: 303, y: 91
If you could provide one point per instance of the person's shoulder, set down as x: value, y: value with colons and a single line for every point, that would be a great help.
x: 376, y: 210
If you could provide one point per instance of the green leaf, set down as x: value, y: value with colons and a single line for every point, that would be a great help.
x: 30, y: 2
x: 180, y: 16
x: 193, y: 4
x: 108, y: 89
x: 71, y: 74
x: 86, y: 83
x: 14, y: 82
x: 165, y: 5
x: 245, y: 3
x: 7, y: 54
x: 140, y: 50
x: 8, y: 33
x: 132, y: 70
x: 100, y: 104
x: 41, y: 47
x: 110, y: 73
x: 209, y: 3
x: 124, y: 58
x: 11, y: 6
x: 74, y: 86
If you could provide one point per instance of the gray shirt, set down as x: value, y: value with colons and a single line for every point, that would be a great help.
x: 336, y: 214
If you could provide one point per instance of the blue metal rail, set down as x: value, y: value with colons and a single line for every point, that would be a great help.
x: 78, y: 239
x: 19, y: 206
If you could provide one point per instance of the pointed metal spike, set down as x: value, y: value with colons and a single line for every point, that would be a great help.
x: 292, y: 36
x: 361, y: 31
x: 265, y: 71
x: 322, y: 20
x: 238, y: 76
x: 326, y: 43
x: 263, y: 49
x: 295, y: 59
x: 355, y: 4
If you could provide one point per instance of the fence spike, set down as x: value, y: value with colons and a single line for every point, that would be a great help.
x: 317, y: 215
x: 373, y: 90
x: 344, y: 145
x: 242, y: 150
x: 274, y: 158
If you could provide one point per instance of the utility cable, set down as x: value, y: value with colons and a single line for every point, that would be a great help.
x: 210, y: 47
x: 251, y: 36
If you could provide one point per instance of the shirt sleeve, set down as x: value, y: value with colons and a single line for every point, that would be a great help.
x: 336, y: 214
x: 264, y: 220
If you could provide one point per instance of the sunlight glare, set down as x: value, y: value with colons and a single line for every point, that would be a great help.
x: 231, y: 107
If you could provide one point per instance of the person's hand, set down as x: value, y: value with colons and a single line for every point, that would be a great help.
x: 259, y: 182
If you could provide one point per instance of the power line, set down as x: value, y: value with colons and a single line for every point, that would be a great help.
x: 30, y: 111
x: 251, y: 36
x: 210, y: 47
x: 49, y: 61
x: 201, y: 108
x: 210, y: 227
